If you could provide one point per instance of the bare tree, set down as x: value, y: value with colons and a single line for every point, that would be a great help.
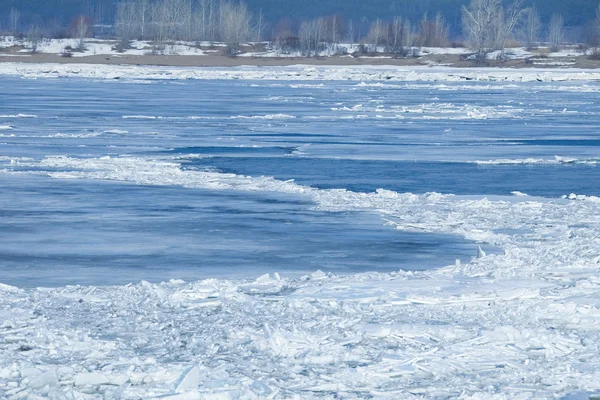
x: 335, y: 28
x: 186, y: 29
x: 433, y: 33
x: 207, y: 20
x: 285, y: 39
x: 531, y: 28
x: 401, y: 38
x: 212, y: 20
x: 441, y: 31
x: 311, y: 36
x: 171, y: 19
x: 95, y: 11
x: 202, y: 19
x: 142, y: 18
x: 507, y: 21
x: 378, y: 34
x: 81, y: 28
x: 236, y: 25
x: 13, y: 20
x: 350, y: 31
x: 395, y: 41
x: 176, y: 15
x: 34, y: 37
x: 556, y: 32
x: 306, y: 34
x: 424, y: 31
x: 125, y: 23
x: 478, y: 22
x: 159, y: 27
x: 496, y: 28
x: 260, y: 25
x: 594, y: 35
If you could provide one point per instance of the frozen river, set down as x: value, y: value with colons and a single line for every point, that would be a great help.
x: 405, y: 138
x: 392, y: 187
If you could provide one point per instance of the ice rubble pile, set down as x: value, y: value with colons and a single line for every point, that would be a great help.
x: 301, y: 73
x: 520, y: 324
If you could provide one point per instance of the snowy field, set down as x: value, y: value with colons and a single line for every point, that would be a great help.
x: 299, y: 233
x: 99, y: 47
x: 140, y: 47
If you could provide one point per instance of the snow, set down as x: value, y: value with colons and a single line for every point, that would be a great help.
x: 556, y: 160
x: 444, y: 50
x: 350, y: 48
x: 265, y: 117
x: 569, y: 52
x: 510, y: 53
x: 11, y: 116
x: 389, y: 336
x: 522, y: 323
x: 98, y: 47
x: 302, y: 73
x: 183, y: 48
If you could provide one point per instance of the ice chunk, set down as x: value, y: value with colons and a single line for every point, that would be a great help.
x: 519, y: 194
x: 47, y: 378
x: 318, y: 275
x: 91, y: 379
x: 188, y: 380
x: 519, y: 293
x: 30, y: 372
x: 189, y: 396
x: 8, y: 288
x: 266, y: 278
x: 260, y: 388
x: 480, y: 252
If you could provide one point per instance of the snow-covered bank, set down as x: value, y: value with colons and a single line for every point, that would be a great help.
x: 111, y: 47
x: 98, y: 47
x: 300, y: 73
x: 521, y: 324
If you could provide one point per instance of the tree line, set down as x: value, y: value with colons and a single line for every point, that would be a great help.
x: 487, y: 25
x: 205, y: 20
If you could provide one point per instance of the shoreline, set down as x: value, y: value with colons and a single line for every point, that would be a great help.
x: 446, y: 60
x: 365, y: 74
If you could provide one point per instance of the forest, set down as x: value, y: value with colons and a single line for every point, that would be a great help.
x: 397, y: 26
x: 59, y: 13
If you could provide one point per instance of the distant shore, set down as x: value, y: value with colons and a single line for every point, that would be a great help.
x: 205, y: 54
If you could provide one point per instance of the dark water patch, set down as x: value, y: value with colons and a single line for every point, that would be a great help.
x: 217, y: 150
x: 289, y: 135
x: 419, y: 177
x: 560, y: 142
x: 100, y: 233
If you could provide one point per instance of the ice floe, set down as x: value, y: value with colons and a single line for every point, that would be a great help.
x: 518, y: 323
x: 302, y: 73
x: 555, y: 160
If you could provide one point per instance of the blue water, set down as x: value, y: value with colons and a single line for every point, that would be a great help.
x: 81, y: 232
x: 416, y: 177
x: 406, y: 138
